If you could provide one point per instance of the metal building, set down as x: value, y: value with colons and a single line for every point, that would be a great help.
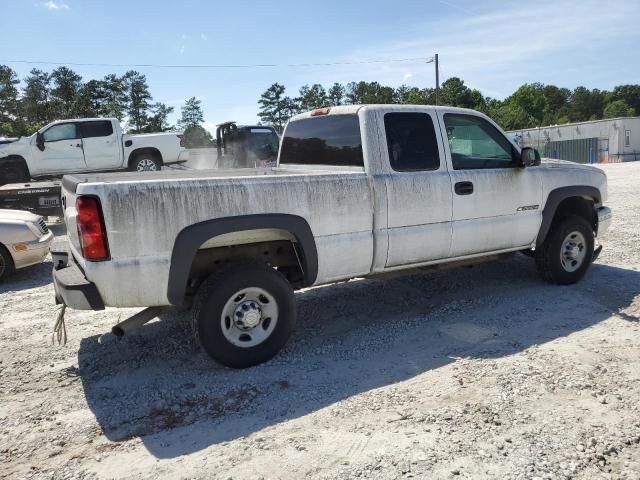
x: 597, y: 141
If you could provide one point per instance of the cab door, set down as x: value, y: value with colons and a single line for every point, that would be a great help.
x: 62, y: 150
x: 497, y: 203
x: 102, y: 149
x: 418, y: 187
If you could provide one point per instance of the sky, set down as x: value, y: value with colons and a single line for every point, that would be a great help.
x: 494, y: 46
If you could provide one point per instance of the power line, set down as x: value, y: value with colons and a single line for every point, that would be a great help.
x: 256, y: 65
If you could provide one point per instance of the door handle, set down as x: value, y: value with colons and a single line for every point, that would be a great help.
x: 463, y: 188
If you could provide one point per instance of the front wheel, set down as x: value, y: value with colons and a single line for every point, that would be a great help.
x: 6, y: 263
x: 14, y: 173
x: 567, y: 252
x: 244, y: 314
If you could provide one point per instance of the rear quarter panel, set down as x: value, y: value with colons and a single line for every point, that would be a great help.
x: 143, y: 220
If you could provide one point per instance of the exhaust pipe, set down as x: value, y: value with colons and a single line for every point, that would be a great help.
x: 136, y: 321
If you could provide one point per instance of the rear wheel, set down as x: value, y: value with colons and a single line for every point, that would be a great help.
x: 6, y: 263
x: 567, y: 252
x: 146, y: 162
x: 244, y: 314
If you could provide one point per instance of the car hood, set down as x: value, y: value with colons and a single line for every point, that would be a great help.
x: 12, y: 147
x: 17, y: 216
x: 555, y: 163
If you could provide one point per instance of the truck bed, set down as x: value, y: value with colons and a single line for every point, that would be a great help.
x: 145, y: 213
x: 71, y: 182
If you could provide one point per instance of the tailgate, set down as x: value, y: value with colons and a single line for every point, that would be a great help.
x: 68, y: 200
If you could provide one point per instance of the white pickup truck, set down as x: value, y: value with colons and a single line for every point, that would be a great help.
x: 359, y: 191
x: 86, y: 145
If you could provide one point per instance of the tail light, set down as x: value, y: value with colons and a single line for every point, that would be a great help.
x: 181, y: 137
x: 91, y: 230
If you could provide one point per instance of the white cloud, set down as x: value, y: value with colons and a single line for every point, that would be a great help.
x: 204, y: 37
x: 55, y: 5
x: 498, y: 48
x: 407, y: 76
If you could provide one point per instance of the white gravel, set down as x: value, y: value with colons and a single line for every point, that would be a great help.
x: 474, y: 373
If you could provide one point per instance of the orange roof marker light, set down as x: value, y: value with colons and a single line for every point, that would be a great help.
x: 320, y: 111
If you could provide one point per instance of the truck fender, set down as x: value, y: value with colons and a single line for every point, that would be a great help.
x: 192, y: 237
x: 142, y: 150
x: 555, y: 198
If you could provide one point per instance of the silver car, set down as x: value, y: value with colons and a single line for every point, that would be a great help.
x: 24, y: 240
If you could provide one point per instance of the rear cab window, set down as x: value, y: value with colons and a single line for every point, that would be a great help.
x: 411, y: 141
x: 323, y: 140
x: 99, y: 128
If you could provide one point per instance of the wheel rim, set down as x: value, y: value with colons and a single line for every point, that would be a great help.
x: 249, y: 317
x: 573, y: 251
x: 146, y: 165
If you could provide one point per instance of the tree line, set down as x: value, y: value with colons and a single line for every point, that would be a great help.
x: 531, y: 105
x: 41, y: 97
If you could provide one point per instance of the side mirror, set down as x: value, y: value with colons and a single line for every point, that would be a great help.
x: 529, y: 157
x: 40, y: 141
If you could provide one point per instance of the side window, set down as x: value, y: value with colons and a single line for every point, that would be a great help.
x: 101, y: 128
x: 325, y: 140
x: 627, y: 138
x: 63, y: 131
x: 476, y: 143
x: 411, y: 140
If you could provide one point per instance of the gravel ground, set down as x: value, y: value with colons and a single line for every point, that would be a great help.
x: 475, y: 373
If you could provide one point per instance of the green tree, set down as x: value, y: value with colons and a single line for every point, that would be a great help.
x: 35, y: 102
x: 64, y: 91
x: 195, y: 136
x: 586, y: 104
x: 455, y: 93
x: 192, y: 114
x: 89, y: 100
x: 159, y: 119
x: 113, y: 96
x: 275, y: 107
x: 312, y: 97
x: 335, y: 95
x: 528, y: 100
x: 557, y: 104
x: 9, y: 114
x: 139, y: 100
x: 618, y: 108
x: 630, y: 94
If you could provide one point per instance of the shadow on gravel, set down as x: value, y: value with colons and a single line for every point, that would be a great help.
x: 351, y: 338
x: 29, y: 277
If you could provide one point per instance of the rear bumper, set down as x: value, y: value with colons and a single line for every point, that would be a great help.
x: 70, y: 285
x: 183, y: 157
x: 604, y: 220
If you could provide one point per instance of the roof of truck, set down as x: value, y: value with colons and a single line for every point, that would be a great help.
x: 353, y: 109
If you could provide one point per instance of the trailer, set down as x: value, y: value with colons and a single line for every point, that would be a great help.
x: 41, y: 198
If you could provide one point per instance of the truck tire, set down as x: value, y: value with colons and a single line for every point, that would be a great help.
x: 567, y: 252
x: 145, y: 162
x: 244, y: 314
x: 14, y: 172
x: 6, y: 262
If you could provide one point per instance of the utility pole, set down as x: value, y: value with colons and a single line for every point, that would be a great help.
x: 437, y: 78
